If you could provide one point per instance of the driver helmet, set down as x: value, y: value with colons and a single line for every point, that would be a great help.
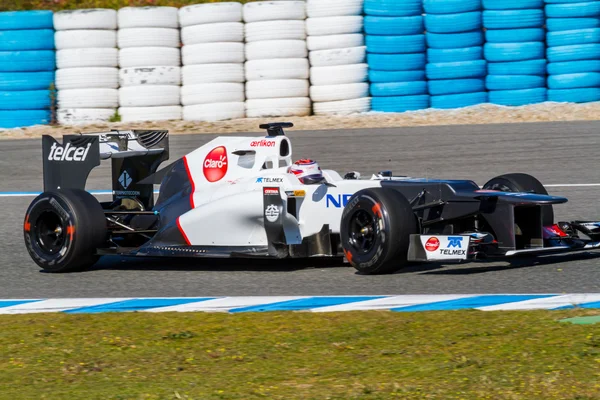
x: 307, y: 171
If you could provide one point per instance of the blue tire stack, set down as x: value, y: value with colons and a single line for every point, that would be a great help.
x: 455, y: 66
x: 27, y: 66
x: 573, y: 51
x: 515, y: 51
x: 396, y: 55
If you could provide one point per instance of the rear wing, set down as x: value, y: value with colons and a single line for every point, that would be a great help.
x: 134, y: 155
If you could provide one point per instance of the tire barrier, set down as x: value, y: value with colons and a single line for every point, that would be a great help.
x: 515, y: 52
x: 455, y: 68
x: 573, y: 51
x: 338, y: 72
x: 27, y: 63
x: 396, y: 56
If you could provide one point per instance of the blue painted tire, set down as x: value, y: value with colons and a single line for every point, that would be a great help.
x: 18, y: 119
x: 457, y: 70
x: 454, y: 55
x: 584, y: 95
x: 453, y: 23
x: 25, y: 80
x: 514, y: 82
x: 394, y: 25
x: 26, y: 20
x: 512, y: 4
x: 450, y: 6
x: 396, y: 62
x: 529, y: 67
x: 400, y: 103
x: 573, y: 67
x: 458, y: 100
x: 577, y: 36
x: 518, y: 97
x: 515, y: 35
x: 27, y: 61
x: 573, y: 52
x: 454, y: 40
x: 574, y: 81
x: 456, y: 86
x: 25, y: 100
x: 398, y: 88
x: 573, y: 10
x: 513, y: 19
x: 38, y: 39
x: 505, y: 52
x: 393, y: 8
x: 395, y: 44
x: 569, y: 24
x: 395, y: 76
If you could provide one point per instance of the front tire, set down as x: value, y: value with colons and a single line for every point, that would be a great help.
x: 63, y: 229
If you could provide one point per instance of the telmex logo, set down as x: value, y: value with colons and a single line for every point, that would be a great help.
x: 262, y: 143
x: 337, y: 201
x: 215, y: 164
x: 68, y: 153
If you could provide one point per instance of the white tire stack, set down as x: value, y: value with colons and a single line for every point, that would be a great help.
x: 150, y: 64
x: 213, y: 61
x: 87, y: 60
x: 338, y: 72
x: 277, y: 67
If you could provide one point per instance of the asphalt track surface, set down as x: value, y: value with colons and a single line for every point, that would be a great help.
x: 558, y: 154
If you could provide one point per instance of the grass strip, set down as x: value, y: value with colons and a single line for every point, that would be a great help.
x: 352, y: 355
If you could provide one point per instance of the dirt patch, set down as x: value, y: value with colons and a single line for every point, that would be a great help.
x: 482, y: 114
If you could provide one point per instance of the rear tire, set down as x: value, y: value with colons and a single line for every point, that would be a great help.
x: 375, y: 230
x: 63, y: 229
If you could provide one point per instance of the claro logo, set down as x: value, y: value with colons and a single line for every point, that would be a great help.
x: 68, y: 153
x: 215, y: 164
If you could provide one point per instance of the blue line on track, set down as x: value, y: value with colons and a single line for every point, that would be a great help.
x: 470, y: 302
x: 17, y: 194
x: 136, y: 305
x: 10, y: 303
x: 304, y: 304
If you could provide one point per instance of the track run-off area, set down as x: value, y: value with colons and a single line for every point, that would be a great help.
x: 564, y: 156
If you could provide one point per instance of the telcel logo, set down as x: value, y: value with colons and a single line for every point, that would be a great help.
x: 337, y: 201
x: 215, y: 164
x: 68, y: 153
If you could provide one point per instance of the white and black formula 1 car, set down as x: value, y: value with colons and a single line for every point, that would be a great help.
x: 235, y: 197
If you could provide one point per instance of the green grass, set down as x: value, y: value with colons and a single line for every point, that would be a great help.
x: 358, y: 355
x: 57, y: 5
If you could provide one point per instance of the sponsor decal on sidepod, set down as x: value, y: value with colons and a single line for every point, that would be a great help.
x: 215, y: 164
x: 445, y: 247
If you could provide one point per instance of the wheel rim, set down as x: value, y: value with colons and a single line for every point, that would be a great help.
x: 50, y: 232
x: 363, y: 231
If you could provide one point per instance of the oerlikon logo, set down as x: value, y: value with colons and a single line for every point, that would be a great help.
x: 215, y: 164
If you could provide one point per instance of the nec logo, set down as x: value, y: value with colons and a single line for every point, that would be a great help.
x: 337, y: 201
x: 455, y: 241
x: 68, y: 153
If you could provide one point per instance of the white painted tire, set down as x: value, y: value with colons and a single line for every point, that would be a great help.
x: 282, y: 68
x: 150, y: 76
x: 85, y: 39
x: 347, y: 91
x: 333, y: 8
x: 339, y: 74
x: 284, y: 107
x: 210, y: 33
x: 91, y: 18
x: 213, y: 53
x: 149, y: 96
x: 212, y: 73
x: 270, y: 49
x: 85, y: 78
x: 207, y: 93
x: 210, y: 13
x: 142, y: 114
x: 144, y: 56
x: 344, y: 107
x: 277, y: 88
x: 88, y: 98
x: 275, y: 30
x: 334, y: 25
x: 77, y: 58
x: 148, y: 37
x: 148, y: 17
x: 335, y: 41
x: 274, y: 10
x: 350, y: 55
x: 214, y: 112
x: 83, y: 116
